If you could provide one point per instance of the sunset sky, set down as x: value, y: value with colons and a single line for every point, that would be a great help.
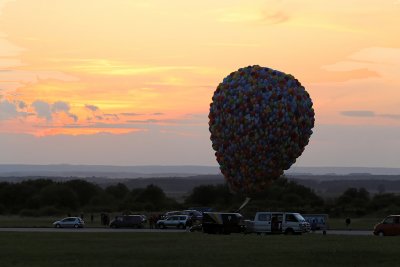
x: 129, y: 82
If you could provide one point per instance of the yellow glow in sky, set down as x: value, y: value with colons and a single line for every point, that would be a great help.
x: 117, y: 65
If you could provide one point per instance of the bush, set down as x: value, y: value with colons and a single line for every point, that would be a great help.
x: 50, y: 211
x: 28, y: 213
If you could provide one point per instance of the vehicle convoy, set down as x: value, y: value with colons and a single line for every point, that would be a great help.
x: 389, y: 226
x: 277, y: 223
x: 222, y: 223
x: 137, y: 221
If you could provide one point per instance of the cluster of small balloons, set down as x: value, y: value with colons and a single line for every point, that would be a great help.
x: 260, y: 122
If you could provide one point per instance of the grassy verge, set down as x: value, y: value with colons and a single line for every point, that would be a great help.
x: 194, y: 249
x: 356, y: 223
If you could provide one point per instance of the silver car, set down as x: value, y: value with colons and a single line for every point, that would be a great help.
x: 179, y: 221
x: 69, y: 222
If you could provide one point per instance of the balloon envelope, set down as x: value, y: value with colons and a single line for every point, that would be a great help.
x: 260, y: 122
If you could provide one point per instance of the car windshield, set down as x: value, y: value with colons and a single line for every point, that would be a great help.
x: 299, y: 217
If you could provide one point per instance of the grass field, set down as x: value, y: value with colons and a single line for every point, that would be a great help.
x: 194, y: 249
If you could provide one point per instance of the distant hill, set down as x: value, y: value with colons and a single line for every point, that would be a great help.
x: 109, y: 171
x: 177, y: 187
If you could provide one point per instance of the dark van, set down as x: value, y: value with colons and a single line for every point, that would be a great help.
x: 136, y: 221
x: 222, y: 223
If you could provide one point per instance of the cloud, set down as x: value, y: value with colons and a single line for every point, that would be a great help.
x: 92, y: 107
x: 14, y: 79
x: 43, y: 109
x: 109, y: 67
x: 9, y: 110
x: 381, y: 62
x: 368, y: 114
x: 22, y: 105
x: 390, y: 116
x: 145, y: 121
x: 60, y: 106
x: 253, y: 13
x: 129, y: 114
x: 157, y: 114
x: 47, y: 111
x: 358, y: 113
x: 111, y: 116
x: 73, y: 116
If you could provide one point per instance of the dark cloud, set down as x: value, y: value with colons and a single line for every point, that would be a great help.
x: 369, y: 114
x: 358, y: 113
x: 128, y: 114
x: 390, y: 116
x: 47, y: 110
x: 109, y: 116
x: 43, y: 109
x: 73, y: 116
x: 92, y: 107
x: 60, y: 106
x: 8, y: 110
x: 22, y: 105
x: 145, y: 121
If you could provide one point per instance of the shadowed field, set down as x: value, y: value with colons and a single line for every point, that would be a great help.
x: 194, y: 249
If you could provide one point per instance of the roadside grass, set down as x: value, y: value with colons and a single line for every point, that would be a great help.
x: 364, y: 223
x: 194, y: 249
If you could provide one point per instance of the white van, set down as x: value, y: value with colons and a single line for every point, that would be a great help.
x: 278, y: 223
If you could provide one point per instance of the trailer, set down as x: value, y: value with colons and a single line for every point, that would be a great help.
x: 222, y: 223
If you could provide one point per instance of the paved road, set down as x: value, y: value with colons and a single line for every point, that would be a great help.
x: 109, y: 230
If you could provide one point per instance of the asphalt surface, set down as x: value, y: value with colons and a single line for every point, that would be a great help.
x: 146, y: 230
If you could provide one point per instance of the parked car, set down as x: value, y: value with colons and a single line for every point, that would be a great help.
x: 137, y: 221
x: 389, y: 226
x: 277, y: 223
x: 317, y: 221
x: 178, y: 221
x: 171, y: 213
x: 193, y: 214
x: 69, y: 222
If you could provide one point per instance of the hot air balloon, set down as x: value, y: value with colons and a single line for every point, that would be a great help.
x: 260, y: 121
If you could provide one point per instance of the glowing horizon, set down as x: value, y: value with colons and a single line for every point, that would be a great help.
x: 119, y: 67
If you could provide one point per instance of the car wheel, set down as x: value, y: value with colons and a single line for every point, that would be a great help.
x: 76, y: 226
x: 381, y: 233
x: 162, y: 226
x: 58, y: 226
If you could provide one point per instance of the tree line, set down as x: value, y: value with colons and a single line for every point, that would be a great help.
x: 43, y: 197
